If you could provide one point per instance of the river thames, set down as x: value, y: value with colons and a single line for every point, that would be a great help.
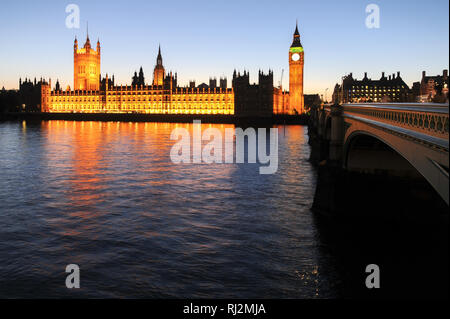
x: 107, y: 197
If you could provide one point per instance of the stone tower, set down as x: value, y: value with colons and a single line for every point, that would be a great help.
x: 296, y: 63
x: 86, y: 61
x: 158, y: 73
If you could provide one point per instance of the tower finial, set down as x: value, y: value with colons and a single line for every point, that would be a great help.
x: 87, y: 29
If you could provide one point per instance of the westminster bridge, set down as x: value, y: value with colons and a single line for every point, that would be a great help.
x: 406, y: 140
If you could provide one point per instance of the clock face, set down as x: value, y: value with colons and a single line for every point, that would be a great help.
x: 295, y: 57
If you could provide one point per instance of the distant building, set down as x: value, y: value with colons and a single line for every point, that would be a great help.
x: 415, y: 92
x: 138, y: 80
x: 30, y: 94
x: 386, y: 89
x: 312, y: 100
x: 223, y: 82
x: 212, y: 83
x: 9, y: 101
x: 253, y: 99
x: 432, y: 88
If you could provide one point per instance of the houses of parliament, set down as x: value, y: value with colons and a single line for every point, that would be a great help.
x: 93, y: 94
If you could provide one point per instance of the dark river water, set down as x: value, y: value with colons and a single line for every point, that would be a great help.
x: 106, y: 196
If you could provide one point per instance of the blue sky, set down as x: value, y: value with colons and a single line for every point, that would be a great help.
x: 210, y: 38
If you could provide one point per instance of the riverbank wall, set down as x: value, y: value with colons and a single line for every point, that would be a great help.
x: 168, y: 118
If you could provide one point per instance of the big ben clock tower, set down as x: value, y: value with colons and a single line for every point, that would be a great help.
x: 296, y: 62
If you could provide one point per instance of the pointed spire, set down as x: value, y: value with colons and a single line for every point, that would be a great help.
x: 159, y: 58
x: 296, y: 42
x: 88, y: 42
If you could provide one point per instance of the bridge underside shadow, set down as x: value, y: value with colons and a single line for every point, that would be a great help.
x: 366, y: 154
x: 376, y: 169
x: 376, y: 182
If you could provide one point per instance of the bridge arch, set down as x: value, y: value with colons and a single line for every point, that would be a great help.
x: 367, y: 153
x: 373, y: 150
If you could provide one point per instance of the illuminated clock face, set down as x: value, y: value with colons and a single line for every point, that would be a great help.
x: 295, y: 57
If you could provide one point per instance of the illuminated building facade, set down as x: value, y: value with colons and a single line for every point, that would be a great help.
x: 86, y: 66
x: 433, y: 88
x: 386, y: 89
x: 292, y: 101
x: 149, y: 99
x: 158, y: 73
x: 296, y: 64
x: 92, y: 94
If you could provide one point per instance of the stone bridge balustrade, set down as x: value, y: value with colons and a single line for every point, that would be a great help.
x: 430, y: 120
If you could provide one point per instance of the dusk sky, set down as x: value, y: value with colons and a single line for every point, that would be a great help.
x: 200, y: 39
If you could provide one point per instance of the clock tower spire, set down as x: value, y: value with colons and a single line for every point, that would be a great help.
x: 158, y: 73
x: 296, y: 63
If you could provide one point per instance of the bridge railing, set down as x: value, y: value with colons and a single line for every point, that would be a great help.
x: 429, y: 119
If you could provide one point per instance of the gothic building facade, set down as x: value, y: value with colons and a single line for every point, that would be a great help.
x: 93, y: 94
x: 86, y: 62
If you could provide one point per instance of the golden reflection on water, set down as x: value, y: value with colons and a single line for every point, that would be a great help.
x: 91, y: 154
x: 106, y: 194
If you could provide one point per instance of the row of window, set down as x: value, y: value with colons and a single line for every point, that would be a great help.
x: 367, y: 95
x: 154, y: 111
x: 383, y: 87
x: 141, y: 106
x: 97, y: 99
x: 91, y: 69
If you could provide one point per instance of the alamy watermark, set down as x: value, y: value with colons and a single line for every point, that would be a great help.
x: 73, y: 279
x: 73, y: 19
x: 373, y: 19
x: 373, y: 279
x: 214, y: 151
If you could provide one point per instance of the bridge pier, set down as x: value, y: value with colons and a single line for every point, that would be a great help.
x: 362, y: 144
x: 336, y: 137
x: 378, y: 197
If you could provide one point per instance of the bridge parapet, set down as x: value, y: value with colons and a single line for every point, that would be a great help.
x: 430, y: 119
